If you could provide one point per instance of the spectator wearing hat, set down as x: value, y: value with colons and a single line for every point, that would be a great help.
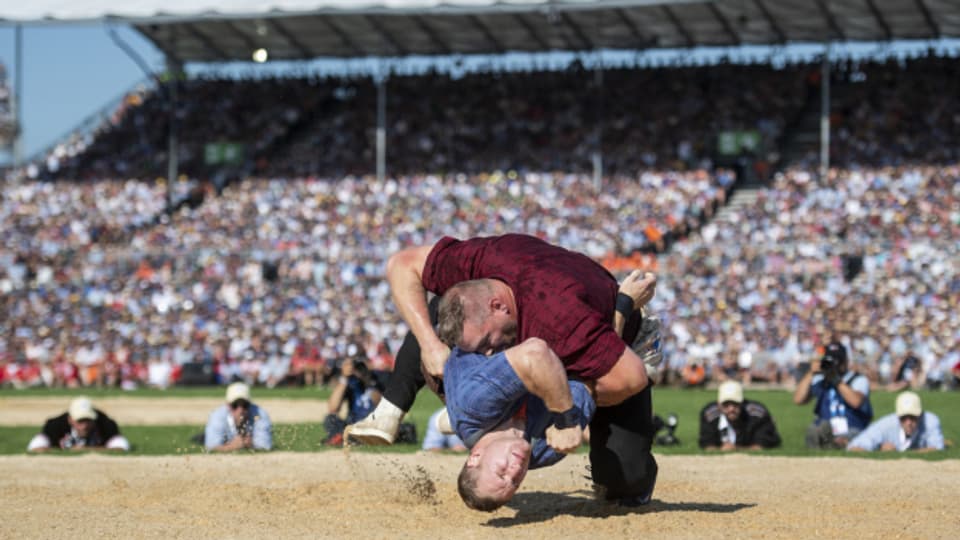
x: 843, y: 406
x: 82, y: 427
x: 735, y: 423
x: 909, y: 428
x: 238, y: 424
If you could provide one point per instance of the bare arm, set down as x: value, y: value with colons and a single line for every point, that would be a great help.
x: 405, y: 275
x: 802, y: 393
x: 542, y: 373
x: 849, y: 395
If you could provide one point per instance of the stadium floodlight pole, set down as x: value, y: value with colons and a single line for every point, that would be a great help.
x: 381, y: 124
x: 598, y: 127
x: 825, y: 112
x: 169, y: 95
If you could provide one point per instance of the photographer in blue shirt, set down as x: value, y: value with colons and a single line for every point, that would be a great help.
x: 843, y: 407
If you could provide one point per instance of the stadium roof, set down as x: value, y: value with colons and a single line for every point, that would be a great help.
x: 225, y: 30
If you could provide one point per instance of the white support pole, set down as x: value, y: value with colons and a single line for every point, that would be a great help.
x: 381, y: 127
x: 825, y: 113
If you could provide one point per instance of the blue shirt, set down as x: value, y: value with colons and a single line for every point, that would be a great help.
x: 830, y: 403
x: 221, y: 428
x: 887, y: 430
x: 484, y: 391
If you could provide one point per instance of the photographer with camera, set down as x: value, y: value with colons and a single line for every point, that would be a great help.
x: 843, y: 406
x: 734, y: 423
x: 238, y: 424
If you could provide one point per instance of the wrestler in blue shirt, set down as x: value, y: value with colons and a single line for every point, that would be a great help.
x: 515, y: 410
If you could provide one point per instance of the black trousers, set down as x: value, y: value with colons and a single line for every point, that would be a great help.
x: 621, y: 436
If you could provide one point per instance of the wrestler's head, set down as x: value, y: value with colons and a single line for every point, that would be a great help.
x: 474, y: 317
x: 496, y: 466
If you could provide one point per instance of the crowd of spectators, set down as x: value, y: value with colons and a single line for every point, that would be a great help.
x: 869, y: 257
x: 280, y: 277
x: 438, y: 122
x: 275, y: 280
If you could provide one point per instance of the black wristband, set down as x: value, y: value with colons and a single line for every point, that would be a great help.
x: 624, y: 305
x: 567, y: 419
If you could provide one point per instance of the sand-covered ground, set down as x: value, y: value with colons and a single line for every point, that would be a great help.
x: 338, y: 494
x: 335, y: 494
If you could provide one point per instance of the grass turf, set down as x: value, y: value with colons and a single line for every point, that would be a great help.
x: 791, y: 421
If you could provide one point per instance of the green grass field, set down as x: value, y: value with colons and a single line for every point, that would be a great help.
x: 791, y: 421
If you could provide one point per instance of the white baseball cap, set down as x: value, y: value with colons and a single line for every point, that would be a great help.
x: 238, y: 390
x: 908, y: 404
x: 81, y: 408
x: 730, y: 391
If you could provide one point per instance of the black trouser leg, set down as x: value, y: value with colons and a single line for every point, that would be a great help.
x: 407, y: 378
x: 620, y: 440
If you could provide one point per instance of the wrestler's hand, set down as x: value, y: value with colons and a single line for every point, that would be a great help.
x: 564, y: 440
x: 641, y: 286
x: 434, y: 358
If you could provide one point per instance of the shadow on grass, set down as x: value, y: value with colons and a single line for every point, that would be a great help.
x: 539, y: 506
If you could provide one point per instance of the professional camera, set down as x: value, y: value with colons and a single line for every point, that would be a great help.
x: 670, y: 424
x: 833, y: 362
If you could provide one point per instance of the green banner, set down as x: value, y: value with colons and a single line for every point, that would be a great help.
x: 223, y: 153
x: 732, y: 143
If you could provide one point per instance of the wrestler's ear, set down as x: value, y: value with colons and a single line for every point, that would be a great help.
x: 497, y: 304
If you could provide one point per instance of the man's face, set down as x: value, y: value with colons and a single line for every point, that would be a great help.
x: 731, y: 409
x: 503, y: 462
x: 239, y: 410
x: 83, y: 427
x: 494, y: 334
x: 909, y: 424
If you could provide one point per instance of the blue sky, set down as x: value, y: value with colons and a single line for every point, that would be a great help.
x: 72, y: 71
x: 69, y: 72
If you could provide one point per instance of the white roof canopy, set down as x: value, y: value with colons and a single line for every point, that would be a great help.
x: 209, y: 30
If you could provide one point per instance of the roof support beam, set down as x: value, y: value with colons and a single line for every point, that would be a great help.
x: 642, y: 42
x: 285, y: 34
x: 831, y: 21
x: 378, y: 26
x: 341, y: 35
x: 584, y: 40
x: 206, y: 42
x: 927, y: 16
x: 529, y: 28
x: 725, y: 24
x: 422, y: 24
x: 781, y: 37
x: 247, y: 42
x: 487, y: 34
x: 887, y: 33
x: 679, y: 25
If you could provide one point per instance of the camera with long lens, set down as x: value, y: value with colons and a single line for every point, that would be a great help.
x: 670, y: 425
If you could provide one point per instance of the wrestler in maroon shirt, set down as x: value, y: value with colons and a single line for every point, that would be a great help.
x: 539, y: 290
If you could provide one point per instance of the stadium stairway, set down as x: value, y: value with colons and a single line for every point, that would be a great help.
x: 744, y: 197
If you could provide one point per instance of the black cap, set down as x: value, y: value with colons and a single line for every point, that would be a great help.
x: 836, y: 351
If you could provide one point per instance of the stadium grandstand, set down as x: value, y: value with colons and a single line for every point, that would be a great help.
x: 243, y: 223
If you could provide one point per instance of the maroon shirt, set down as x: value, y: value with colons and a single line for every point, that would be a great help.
x: 564, y: 298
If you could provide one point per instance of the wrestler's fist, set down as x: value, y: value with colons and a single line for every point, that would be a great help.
x: 641, y: 286
x: 564, y: 440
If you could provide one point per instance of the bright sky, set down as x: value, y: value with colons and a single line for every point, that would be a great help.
x: 72, y: 71
x: 69, y: 72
